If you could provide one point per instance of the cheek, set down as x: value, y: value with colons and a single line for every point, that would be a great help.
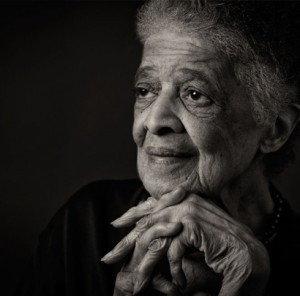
x: 205, y: 136
x: 223, y: 148
x: 225, y: 134
x: 138, y: 130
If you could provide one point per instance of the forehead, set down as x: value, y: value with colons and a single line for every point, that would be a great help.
x: 168, y: 53
x: 178, y: 58
x: 165, y: 42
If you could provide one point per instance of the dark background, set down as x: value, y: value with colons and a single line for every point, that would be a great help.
x: 66, y: 78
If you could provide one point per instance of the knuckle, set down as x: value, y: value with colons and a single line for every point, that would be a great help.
x: 150, y: 202
x: 144, y: 222
x: 130, y: 236
x: 157, y: 244
x: 193, y: 197
x: 125, y: 242
x: 188, y: 208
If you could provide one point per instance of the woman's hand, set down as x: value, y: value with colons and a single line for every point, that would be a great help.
x: 141, y: 265
x: 229, y: 248
x: 149, y: 248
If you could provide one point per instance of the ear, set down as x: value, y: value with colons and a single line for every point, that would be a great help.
x: 281, y: 129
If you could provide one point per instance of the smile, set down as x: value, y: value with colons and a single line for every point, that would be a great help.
x: 166, y: 152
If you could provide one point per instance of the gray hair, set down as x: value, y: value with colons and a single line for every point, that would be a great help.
x: 252, y: 37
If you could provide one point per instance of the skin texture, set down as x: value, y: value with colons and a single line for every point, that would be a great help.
x: 201, y: 141
x: 234, y: 252
x: 200, y: 157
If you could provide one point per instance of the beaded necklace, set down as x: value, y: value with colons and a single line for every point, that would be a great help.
x: 272, y: 230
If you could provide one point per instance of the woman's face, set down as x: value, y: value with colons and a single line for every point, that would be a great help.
x: 193, y: 124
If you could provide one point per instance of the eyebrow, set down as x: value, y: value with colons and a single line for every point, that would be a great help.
x: 143, y: 72
x: 194, y: 74
x: 202, y: 76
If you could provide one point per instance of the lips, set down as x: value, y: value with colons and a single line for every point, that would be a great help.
x: 168, y: 152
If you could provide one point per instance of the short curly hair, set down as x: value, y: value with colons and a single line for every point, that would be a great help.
x: 259, y: 38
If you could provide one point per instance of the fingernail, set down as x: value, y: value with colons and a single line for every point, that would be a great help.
x: 115, y: 222
x: 119, y: 221
x: 106, y: 257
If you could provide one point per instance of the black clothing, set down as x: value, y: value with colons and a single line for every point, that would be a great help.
x: 67, y: 259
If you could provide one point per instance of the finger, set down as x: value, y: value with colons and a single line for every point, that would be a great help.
x: 164, y: 286
x: 161, y: 229
x: 150, y: 206
x: 215, y: 214
x: 127, y: 243
x: 121, y: 249
x: 175, y: 255
x: 135, y: 213
x: 170, y: 199
x: 156, y: 251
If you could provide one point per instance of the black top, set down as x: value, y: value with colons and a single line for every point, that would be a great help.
x: 67, y: 259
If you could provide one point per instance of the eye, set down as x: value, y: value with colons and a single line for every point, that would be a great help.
x: 198, y: 98
x: 194, y: 95
x: 142, y: 92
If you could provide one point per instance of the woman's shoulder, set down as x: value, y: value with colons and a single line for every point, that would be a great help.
x: 102, y: 200
x: 107, y: 194
x: 77, y: 237
x: 100, y: 189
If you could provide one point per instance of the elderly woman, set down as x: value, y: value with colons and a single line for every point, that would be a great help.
x: 215, y: 115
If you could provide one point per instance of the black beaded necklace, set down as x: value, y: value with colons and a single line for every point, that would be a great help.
x: 272, y: 230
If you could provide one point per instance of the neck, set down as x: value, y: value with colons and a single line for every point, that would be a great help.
x: 249, y: 201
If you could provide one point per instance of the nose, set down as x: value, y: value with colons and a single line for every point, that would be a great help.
x: 162, y: 117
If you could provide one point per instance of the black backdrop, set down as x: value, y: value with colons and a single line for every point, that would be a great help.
x: 66, y: 77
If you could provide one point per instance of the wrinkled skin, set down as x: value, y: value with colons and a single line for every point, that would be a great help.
x: 194, y: 131
x: 192, y: 124
x: 233, y: 252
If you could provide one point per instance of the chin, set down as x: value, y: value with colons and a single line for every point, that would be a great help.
x: 158, y: 186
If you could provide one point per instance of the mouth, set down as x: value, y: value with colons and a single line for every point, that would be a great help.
x: 167, y: 152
